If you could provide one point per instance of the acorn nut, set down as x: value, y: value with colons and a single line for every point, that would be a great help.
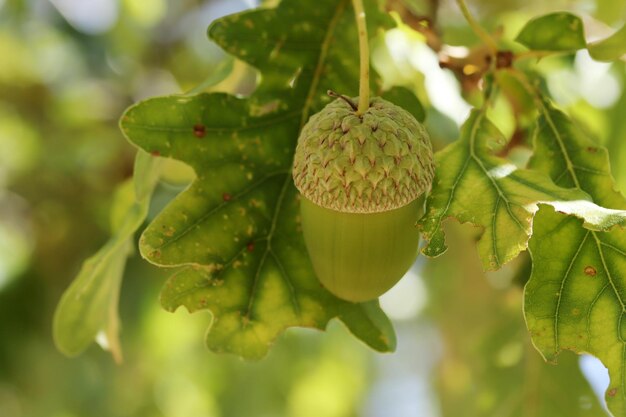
x: 363, y: 178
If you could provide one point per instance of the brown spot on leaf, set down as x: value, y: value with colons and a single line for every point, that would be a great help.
x: 592, y: 149
x: 590, y: 271
x: 199, y: 130
x: 611, y: 392
x: 227, y: 197
x: 155, y: 153
x: 250, y: 247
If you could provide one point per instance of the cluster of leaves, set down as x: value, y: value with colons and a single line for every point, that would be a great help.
x: 565, y: 199
x: 234, y: 233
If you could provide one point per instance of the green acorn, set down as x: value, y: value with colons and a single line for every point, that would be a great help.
x: 363, y: 177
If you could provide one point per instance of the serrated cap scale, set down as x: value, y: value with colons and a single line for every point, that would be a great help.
x: 375, y: 162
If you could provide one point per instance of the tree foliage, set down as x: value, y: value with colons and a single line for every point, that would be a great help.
x: 234, y: 234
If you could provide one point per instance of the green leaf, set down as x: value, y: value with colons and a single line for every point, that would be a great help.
x: 237, y: 227
x: 595, y: 217
x: 571, y: 159
x: 611, y: 48
x: 278, y: 303
x: 405, y: 98
x: 474, y: 185
x: 576, y: 296
x: 89, y: 305
x: 559, y: 31
x: 493, y: 370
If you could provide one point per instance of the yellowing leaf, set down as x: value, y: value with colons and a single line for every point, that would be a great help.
x: 576, y: 296
x: 473, y: 185
x: 236, y: 229
x: 571, y: 159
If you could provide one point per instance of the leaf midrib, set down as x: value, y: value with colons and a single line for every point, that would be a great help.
x: 473, y: 156
x: 494, y: 183
x: 574, y: 176
x: 306, y: 108
x: 221, y: 205
x: 260, y: 124
x: 598, y: 242
x: 568, y: 161
x: 562, y: 288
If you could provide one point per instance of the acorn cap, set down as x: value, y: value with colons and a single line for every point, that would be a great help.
x: 374, y: 162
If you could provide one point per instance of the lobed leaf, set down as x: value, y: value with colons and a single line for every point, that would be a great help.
x: 559, y: 31
x: 245, y: 324
x: 89, y: 305
x: 474, y: 185
x: 571, y: 159
x: 237, y: 228
x: 576, y: 296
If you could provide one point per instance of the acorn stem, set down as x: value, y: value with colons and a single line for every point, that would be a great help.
x: 364, y: 53
x: 331, y: 93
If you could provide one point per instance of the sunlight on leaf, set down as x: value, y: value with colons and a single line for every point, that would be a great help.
x: 237, y: 227
x: 575, y: 291
x: 474, y: 185
x: 576, y: 296
x: 571, y: 159
x: 595, y: 217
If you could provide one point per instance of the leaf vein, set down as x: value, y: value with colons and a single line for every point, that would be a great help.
x: 305, y: 112
x: 568, y: 161
x: 221, y: 205
x: 268, y: 121
x: 560, y: 295
x: 588, y: 315
x: 288, y: 281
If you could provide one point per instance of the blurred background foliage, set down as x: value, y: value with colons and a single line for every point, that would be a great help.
x: 68, y: 68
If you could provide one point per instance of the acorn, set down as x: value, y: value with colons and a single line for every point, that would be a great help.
x: 362, y: 179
